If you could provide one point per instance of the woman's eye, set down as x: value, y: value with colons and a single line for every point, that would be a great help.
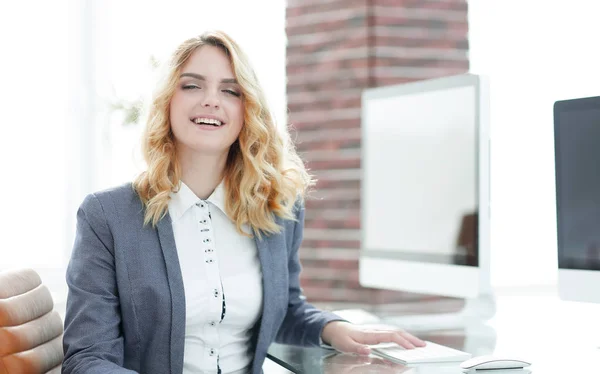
x: 231, y: 92
x: 190, y: 87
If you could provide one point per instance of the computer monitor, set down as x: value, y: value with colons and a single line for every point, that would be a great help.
x: 425, y: 190
x: 577, y: 170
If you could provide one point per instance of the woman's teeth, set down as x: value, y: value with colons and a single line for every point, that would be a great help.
x: 207, y: 121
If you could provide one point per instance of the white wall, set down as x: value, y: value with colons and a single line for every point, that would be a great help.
x: 535, y: 52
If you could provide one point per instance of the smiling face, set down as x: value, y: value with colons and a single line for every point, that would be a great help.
x: 207, y: 109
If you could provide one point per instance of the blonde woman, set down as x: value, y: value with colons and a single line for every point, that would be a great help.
x: 193, y: 268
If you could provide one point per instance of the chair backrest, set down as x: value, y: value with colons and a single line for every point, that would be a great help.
x: 30, y: 330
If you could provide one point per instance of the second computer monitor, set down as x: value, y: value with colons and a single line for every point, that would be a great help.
x: 425, y: 187
x: 577, y: 156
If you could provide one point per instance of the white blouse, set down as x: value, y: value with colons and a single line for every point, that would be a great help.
x: 222, y: 279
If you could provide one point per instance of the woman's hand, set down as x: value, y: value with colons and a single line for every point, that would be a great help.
x: 350, y: 338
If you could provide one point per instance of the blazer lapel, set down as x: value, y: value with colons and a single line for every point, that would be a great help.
x: 267, y: 265
x: 177, y: 338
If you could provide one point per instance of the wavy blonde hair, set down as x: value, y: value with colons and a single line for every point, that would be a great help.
x: 263, y: 177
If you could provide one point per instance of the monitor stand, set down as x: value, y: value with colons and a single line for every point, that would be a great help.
x: 475, y: 312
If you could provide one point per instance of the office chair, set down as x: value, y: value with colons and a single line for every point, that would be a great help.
x: 30, y: 331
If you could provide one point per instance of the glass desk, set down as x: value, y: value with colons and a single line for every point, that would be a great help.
x: 555, y: 336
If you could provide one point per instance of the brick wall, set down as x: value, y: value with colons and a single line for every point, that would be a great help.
x: 337, y: 48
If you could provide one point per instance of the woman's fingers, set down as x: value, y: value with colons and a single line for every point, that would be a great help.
x: 353, y: 346
x: 413, y: 339
x: 401, y: 338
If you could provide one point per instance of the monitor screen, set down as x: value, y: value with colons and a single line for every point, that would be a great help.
x: 577, y: 156
x: 420, y: 182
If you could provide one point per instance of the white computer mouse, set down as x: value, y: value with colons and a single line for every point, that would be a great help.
x: 493, y: 362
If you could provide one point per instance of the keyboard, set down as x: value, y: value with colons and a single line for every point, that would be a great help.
x: 431, y: 353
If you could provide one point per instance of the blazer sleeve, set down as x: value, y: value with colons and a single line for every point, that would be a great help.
x: 303, y: 322
x: 92, y: 340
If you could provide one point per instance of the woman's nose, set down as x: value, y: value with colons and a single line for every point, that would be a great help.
x: 211, y: 99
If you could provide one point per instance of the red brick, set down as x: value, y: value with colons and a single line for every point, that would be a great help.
x: 329, y: 144
x: 345, y: 217
x: 355, y: 39
x: 320, y: 6
x: 460, y: 5
x: 298, y: 126
x: 336, y: 83
x: 333, y: 184
x: 333, y: 204
x: 353, y: 222
x: 330, y: 244
x: 333, y: 103
x: 421, y: 62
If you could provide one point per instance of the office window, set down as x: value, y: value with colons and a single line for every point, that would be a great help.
x: 36, y: 139
x: 62, y: 67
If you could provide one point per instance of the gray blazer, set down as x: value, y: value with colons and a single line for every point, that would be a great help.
x: 126, y: 305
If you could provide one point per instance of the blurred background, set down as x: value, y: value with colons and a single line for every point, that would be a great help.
x: 73, y: 75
